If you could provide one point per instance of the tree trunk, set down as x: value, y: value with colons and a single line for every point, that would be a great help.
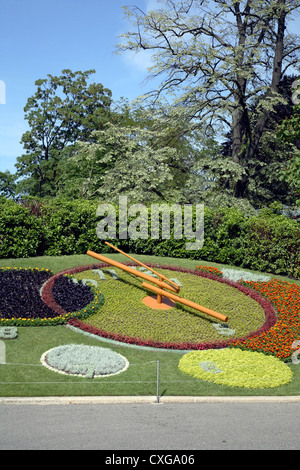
x: 238, y: 129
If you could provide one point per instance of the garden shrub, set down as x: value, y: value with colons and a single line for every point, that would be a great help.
x: 266, y: 242
x: 272, y: 244
x: 21, y: 233
x: 70, y: 228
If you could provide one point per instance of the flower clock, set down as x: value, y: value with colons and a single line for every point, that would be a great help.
x: 264, y: 317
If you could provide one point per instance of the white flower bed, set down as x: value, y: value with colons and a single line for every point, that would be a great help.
x: 236, y: 275
x: 83, y: 360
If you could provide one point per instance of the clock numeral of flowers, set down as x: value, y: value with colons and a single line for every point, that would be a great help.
x: 295, y: 345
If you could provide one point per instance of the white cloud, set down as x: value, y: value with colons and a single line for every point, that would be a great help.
x: 139, y: 61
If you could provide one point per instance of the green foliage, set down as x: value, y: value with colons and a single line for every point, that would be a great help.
x: 267, y: 242
x: 7, y: 184
x: 149, y: 160
x: 272, y: 244
x: 70, y: 227
x: 21, y: 233
x: 222, y: 63
x: 63, y: 110
x: 289, y: 131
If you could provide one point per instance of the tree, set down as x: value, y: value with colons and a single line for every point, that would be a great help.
x: 63, y: 110
x: 142, y: 152
x: 7, y: 184
x: 289, y: 131
x: 264, y: 170
x: 218, y: 58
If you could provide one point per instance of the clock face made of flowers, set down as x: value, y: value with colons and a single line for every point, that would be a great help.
x: 113, y: 305
x: 161, y: 287
x: 127, y: 316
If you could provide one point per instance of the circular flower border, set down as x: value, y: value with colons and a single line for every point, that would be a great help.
x: 268, y: 308
x: 236, y: 368
x: 64, y: 360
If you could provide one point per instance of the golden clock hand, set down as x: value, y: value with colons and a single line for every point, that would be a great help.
x: 161, y: 276
x: 132, y: 271
x: 186, y: 302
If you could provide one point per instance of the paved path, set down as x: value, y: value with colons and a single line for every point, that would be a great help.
x: 206, y: 423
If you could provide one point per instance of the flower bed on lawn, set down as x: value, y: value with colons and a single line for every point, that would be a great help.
x: 236, y: 368
x: 278, y: 340
x: 21, y: 302
x: 83, y: 360
x: 210, y: 270
x: 124, y: 312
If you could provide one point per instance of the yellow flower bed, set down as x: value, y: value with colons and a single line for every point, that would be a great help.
x: 236, y: 368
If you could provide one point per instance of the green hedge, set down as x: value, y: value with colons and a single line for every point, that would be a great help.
x: 266, y: 242
x: 21, y: 233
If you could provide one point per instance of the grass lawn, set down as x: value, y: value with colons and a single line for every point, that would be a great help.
x: 23, y: 374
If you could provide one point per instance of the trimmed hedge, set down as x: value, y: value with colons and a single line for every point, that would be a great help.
x: 265, y: 242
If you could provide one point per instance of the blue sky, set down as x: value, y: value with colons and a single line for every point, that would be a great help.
x: 40, y: 37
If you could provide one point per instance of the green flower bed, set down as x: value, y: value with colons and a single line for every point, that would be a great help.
x: 125, y: 317
x: 236, y: 368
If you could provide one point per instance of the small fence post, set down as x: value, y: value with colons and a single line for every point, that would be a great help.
x: 157, y: 382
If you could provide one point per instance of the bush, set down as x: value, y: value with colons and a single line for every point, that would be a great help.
x: 267, y: 242
x: 272, y: 244
x: 21, y: 233
x: 70, y: 228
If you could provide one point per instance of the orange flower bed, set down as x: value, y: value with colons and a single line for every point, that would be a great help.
x: 210, y: 270
x: 278, y: 340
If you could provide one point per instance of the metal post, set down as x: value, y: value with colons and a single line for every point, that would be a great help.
x: 157, y: 382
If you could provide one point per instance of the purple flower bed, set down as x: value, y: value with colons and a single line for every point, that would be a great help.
x: 19, y: 293
x: 21, y: 302
x: 70, y: 296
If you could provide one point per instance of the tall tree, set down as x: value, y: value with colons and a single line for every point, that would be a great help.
x: 147, y: 154
x: 289, y: 131
x: 218, y: 57
x: 63, y: 110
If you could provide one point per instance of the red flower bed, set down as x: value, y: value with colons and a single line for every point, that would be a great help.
x: 278, y: 340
